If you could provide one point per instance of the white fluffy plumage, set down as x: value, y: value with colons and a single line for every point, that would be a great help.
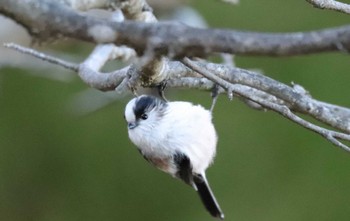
x: 178, y: 138
x: 183, y: 127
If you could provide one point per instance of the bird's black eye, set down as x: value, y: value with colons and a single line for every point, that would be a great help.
x: 144, y: 116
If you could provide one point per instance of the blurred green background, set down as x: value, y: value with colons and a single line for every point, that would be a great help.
x: 55, y: 165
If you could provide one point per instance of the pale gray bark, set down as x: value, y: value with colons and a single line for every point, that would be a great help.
x: 331, y: 5
x: 151, y: 45
x: 47, y: 18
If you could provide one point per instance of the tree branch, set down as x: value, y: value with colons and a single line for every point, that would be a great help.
x: 151, y: 42
x: 48, y: 18
x: 330, y: 135
x: 89, y: 69
x: 331, y: 5
x: 91, y: 4
x: 182, y: 77
x: 42, y: 56
x: 332, y: 115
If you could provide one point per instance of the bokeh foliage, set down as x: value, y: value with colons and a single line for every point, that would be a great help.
x: 58, y: 166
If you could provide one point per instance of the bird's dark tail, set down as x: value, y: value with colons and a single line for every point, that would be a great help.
x: 207, y: 196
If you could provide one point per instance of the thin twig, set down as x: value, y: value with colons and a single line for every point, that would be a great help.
x: 88, y: 71
x: 281, y: 109
x: 42, y: 56
x: 295, y: 99
x: 214, y: 94
x: 232, y: 2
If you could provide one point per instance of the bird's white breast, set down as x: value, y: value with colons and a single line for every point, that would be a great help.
x: 184, y: 128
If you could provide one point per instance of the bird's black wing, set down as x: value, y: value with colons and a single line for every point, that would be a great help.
x: 184, y: 168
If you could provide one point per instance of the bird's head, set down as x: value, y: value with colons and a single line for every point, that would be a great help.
x: 144, y: 112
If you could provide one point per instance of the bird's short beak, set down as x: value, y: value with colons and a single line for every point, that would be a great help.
x: 132, y: 125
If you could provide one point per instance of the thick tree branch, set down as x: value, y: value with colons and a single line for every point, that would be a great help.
x: 152, y: 41
x: 91, y: 4
x: 48, y: 18
x: 331, y: 5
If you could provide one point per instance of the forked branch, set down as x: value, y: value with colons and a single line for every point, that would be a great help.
x: 330, y: 135
x: 151, y: 45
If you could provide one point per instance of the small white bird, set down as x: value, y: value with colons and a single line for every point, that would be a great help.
x: 178, y: 138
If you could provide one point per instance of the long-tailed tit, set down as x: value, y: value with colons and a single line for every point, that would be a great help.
x: 178, y: 138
